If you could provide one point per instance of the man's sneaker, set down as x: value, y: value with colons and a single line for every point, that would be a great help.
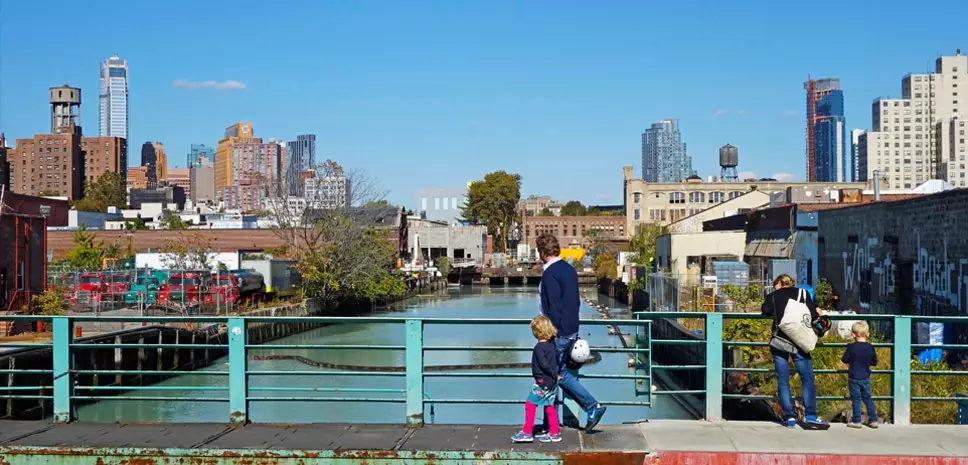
x: 873, y: 425
x: 790, y: 423
x: 813, y: 422
x: 549, y: 438
x: 522, y: 437
x: 854, y: 425
x: 594, y: 416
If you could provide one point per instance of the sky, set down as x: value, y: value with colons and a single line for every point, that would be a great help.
x: 434, y: 94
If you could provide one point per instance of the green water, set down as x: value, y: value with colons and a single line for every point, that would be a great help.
x: 496, y: 302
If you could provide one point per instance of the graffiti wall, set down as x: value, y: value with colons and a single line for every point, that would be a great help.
x: 907, y: 257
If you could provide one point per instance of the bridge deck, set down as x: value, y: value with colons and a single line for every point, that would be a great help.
x: 647, y: 443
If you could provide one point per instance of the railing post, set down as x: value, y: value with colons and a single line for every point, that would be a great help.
x: 63, y: 379
x: 714, y: 366
x: 902, y: 370
x: 238, y: 367
x: 415, y: 377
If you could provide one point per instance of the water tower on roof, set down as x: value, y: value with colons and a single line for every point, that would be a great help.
x: 728, y: 161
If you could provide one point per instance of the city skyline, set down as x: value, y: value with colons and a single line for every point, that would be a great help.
x: 490, y: 102
x: 113, y: 98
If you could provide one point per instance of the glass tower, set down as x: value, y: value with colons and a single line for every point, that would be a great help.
x: 664, y: 157
x: 113, y: 98
x: 199, y: 151
x: 832, y: 162
x: 301, y: 156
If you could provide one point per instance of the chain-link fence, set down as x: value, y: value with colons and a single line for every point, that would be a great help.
x: 154, y: 292
x: 696, y: 293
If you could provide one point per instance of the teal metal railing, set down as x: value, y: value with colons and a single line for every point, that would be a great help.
x: 68, y: 383
x: 900, y: 328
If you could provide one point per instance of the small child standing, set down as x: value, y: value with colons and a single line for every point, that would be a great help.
x: 860, y: 356
x: 544, y: 368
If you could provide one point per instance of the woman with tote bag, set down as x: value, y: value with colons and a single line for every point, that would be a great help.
x: 791, y: 340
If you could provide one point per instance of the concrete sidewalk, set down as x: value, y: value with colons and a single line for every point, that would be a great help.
x: 652, y: 443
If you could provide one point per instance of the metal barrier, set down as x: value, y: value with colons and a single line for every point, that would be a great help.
x: 715, y: 371
x: 64, y: 388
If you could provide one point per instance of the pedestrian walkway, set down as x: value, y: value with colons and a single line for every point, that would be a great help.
x: 665, y: 442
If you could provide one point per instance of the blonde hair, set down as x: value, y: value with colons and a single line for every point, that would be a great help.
x: 784, y: 280
x: 542, y: 328
x: 861, y: 329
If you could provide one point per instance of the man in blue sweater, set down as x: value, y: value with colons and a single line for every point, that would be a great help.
x: 560, y: 302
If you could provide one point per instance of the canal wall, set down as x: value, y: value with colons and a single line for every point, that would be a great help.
x: 23, y: 403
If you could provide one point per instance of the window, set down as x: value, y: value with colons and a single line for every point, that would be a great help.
x: 453, y: 203
x: 715, y: 197
x: 734, y: 194
x: 697, y: 197
x: 637, y: 197
x: 677, y: 197
x: 436, y: 203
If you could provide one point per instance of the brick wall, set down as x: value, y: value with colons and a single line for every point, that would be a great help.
x: 907, y: 257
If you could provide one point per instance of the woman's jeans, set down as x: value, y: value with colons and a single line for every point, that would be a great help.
x: 804, y: 367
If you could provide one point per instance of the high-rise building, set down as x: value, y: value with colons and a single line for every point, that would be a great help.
x: 664, y: 157
x: 113, y: 98
x: 242, y: 159
x: 329, y: 192
x: 920, y: 136
x: 245, y: 197
x: 180, y: 177
x: 150, y: 161
x: 49, y: 164
x: 301, y: 156
x: 198, y: 151
x: 65, y: 110
x: 4, y: 164
x: 858, y: 153
x: 201, y: 176
x: 827, y: 157
x: 161, y: 161
x: 104, y: 154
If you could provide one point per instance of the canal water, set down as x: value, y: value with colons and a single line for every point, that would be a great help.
x: 466, y: 302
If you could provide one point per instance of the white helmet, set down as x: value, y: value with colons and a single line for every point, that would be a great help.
x: 580, y: 352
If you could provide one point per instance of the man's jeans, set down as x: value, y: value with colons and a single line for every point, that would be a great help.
x: 804, y: 367
x: 569, y: 377
x: 860, y: 392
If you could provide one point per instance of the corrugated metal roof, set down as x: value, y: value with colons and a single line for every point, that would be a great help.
x: 772, y: 247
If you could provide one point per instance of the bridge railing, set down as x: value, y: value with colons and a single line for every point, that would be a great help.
x: 127, y: 365
x: 899, y: 330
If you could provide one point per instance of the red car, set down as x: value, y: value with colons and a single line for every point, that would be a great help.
x: 91, y: 289
x: 223, y: 289
x: 185, y: 289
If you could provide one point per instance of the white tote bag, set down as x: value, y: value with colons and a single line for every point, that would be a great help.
x: 797, y: 323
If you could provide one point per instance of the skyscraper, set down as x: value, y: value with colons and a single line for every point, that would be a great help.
x: 921, y: 136
x: 301, y: 156
x: 113, y: 109
x: 150, y: 162
x: 858, y: 154
x: 198, y: 151
x: 664, y: 157
x: 827, y: 157
x: 161, y: 162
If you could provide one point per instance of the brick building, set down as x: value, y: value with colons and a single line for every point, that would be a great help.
x: 4, y: 164
x: 572, y: 230
x: 52, y: 164
x: 137, y: 177
x: 180, y: 177
x: 104, y: 154
x: 23, y: 235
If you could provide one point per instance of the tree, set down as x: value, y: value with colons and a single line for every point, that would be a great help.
x: 573, y: 208
x: 136, y: 225
x: 191, y: 250
x: 605, y: 266
x: 108, y: 191
x: 546, y: 212
x: 87, y: 252
x: 173, y: 221
x: 443, y: 265
x: 50, y: 303
x: 342, y: 250
x: 642, y: 244
x: 493, y: 202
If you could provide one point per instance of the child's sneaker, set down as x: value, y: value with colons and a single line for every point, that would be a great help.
x: 522, y: 437
x: 873, y: 425
x: 854, y: 425
x: 790, y: 423
x: 549, y: 438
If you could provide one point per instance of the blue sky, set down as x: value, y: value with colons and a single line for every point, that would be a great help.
x: 424, y: 94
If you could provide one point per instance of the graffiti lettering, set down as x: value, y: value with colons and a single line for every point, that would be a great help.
x: 864, y: 272
x: 941, y: 284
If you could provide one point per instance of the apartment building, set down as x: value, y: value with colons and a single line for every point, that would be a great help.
x: 103, y: 155
x: 48, y: 164
x: 920, y: 136
x: 241, y: 158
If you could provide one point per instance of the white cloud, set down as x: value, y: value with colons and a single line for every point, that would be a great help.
x: 785, y: 177
x: 746, y: 175
x: 216, y: 85
x: 720, y: 112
